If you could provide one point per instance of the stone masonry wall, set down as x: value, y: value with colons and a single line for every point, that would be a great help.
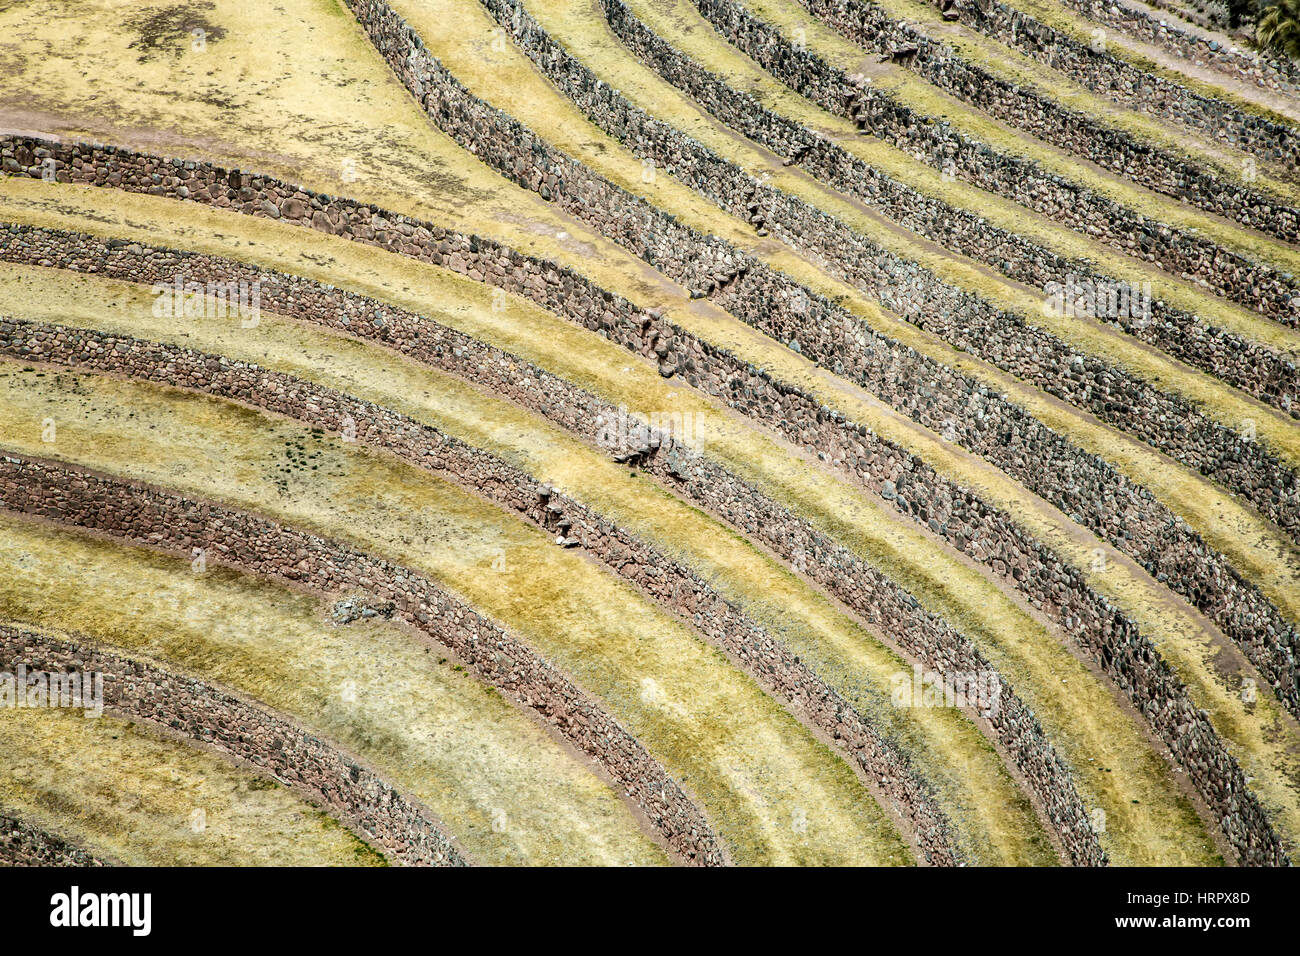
x: 1166, y: 421
x: 1254, y: 368
x: 73, y: 495
x: 1022, y: 180
x: 1127, y: 516
x: 1112, y: 76
x: 1226, y: 195
x: 404, y: 830
x: 22, y: 844
x: 575, y: 410
x: 1265, y: 70
x: 969, y: 524
x: 170, y: 522
x: 677, y: 588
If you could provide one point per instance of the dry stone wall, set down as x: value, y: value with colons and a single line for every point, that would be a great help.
x: 1224, y: 194
x: 1114, y: 77
x: 960, y: 516
x: 22, y: 844
x: 157, y: 519
x: 1254, y: 368
x: 1022, y: 180
x: 1117, y: 510
x: 1263, y: 69
x: 405, y: 831
x: 1166, y: 421
x: 677, y: 588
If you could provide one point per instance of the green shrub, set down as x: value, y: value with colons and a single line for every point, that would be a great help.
x: 1279, y: 27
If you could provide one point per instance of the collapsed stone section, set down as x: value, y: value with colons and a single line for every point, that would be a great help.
x: 985, y: 534
x: 1252, y: 367
x: 157, y: 519
x: 22, y: 844
x: 1112, y: 76
x: 1165, y: 421
x: 1021, y: 180
x: 404, y: 830
x: 1226, y: 195
x: 674, y: 586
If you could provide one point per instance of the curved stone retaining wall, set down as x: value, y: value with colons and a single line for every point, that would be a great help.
x: 1251, y: 367
x: 1114, y: 77
x: 1220, y: 193
x: 75, y: 496
x: 1167, y: 422
x: 1022, y: 180
x: 960, y: 409
x: 22, y: 844
x: 718, y: 490
x: 981, y: 532
x: 1263, y: 69
x: 674, y: 586
x: 404, y: 830
x: 157, y: 519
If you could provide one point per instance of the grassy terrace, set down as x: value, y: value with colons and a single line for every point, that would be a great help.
x: 993, y: 816
x: 330, y: 127
x: 1205, y: 507
x: 932, y: 574
x: 928, y: 101
x: 1213, y: 512
x: 1125, y: 768
x: 680, y: 23
x: 445, y: 187
x: 416, y: 717
x: 123, y: 792
x: 752, y: 767
x: 1151, y: 58
x: 1009, y: 64
x: 581, y: 28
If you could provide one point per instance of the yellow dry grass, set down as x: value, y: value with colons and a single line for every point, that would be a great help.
x: 525, y: 221
x: 680, y: 23
x: 456, y: 191
x: 997, y: 823
x: 121, y: 791
x: 505, y: 788
x: 580, y: 27
x: 1060, y: 88
x: 1244, y: 95
x: 1021, y: 646
x: 754, y: 769
x: 928, y: 101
